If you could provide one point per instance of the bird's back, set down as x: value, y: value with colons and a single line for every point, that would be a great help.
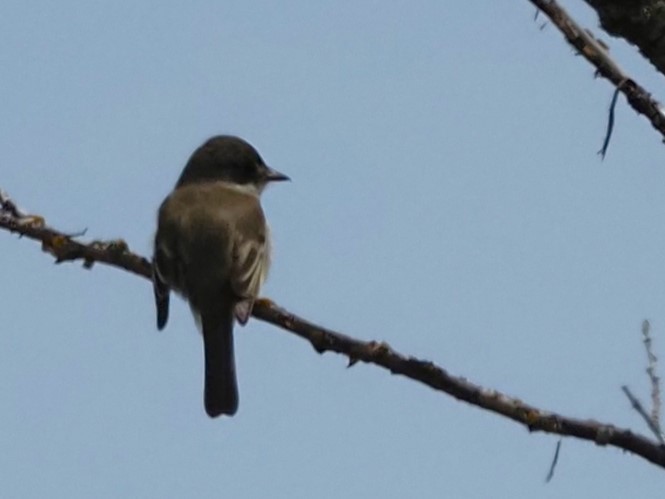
x: 200, y: 219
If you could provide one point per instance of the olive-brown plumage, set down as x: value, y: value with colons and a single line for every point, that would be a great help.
x: 212, y: 246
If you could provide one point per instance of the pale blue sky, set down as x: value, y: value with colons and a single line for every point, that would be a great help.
x: 446, y: 198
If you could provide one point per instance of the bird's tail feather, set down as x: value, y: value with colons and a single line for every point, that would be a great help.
x: 221, y: 388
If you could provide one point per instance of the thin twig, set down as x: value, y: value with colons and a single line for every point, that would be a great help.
x: 652, y: 364
x: 610, y: 123
x: 555, y: 460
x: 637, y: 405
x: 7, y: 206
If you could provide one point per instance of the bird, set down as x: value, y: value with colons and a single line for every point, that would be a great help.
x: 212, y: 247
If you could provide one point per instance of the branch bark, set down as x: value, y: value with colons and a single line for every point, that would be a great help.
x: 65, y: 247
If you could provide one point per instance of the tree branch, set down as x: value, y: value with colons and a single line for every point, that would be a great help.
x: 116, y: 254
x: 595, y: 52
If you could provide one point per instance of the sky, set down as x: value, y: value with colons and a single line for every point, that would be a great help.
x: 447, y: 199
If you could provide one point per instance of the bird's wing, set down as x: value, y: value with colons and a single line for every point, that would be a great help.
x: 166, y: 271
x: 251, y: 260
x: 160, y: 288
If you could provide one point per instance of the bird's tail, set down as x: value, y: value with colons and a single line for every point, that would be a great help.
x: 221, y: 387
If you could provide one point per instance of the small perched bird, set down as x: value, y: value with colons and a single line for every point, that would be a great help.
x: 212, y: 246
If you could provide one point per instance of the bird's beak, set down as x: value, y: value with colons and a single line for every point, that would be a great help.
x: 273, y: 175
